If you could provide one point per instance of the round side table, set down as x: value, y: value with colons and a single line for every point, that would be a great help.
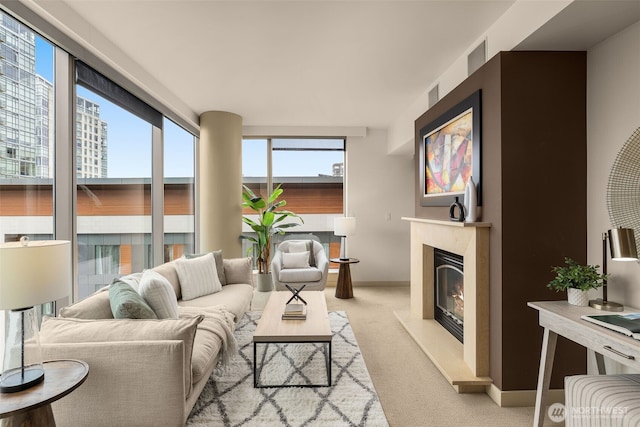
x: 344, y: 288
x: 33, y: 405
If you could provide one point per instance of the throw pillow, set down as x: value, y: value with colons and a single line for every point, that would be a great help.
x: 295, y: 260
x: 239, y: 270
x: 126, y: 303
x: 198, y: 276
x: 168, y: 270
x: 60, y: 330
x: 133, y: 280
x: 302, y: 246
x: 217, y: 256
x: 158, y: 293
x: 95, y: 306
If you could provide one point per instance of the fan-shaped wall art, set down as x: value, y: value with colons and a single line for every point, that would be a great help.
x: 623, y: 188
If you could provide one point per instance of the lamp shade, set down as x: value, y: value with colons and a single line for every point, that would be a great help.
x: 344, y: 226
x: 34, y: 272
x: 623, y: 244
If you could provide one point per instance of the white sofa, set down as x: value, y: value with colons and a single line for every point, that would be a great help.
x: 146, y: 372
x: 286, y: 267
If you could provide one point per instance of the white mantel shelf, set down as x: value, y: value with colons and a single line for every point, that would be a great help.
x: 464, y: 365
x: 449, y: 223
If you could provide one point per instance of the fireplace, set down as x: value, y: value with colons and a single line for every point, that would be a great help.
x: 449, y: 291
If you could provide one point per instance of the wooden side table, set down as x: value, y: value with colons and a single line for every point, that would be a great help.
x: 344, y: 288
x: 33, y: 405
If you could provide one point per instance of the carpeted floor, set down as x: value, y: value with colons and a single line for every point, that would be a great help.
x: 229, y: 399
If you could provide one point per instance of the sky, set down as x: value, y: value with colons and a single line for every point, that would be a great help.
x: 129, y: 142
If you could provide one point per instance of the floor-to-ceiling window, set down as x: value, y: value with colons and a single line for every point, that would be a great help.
x: 113, y: 176
x: 179, y: 194
x: 26, y: 133
x: 311, y: 173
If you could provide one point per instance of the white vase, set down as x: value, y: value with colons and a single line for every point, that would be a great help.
x: 470, y: 201
x: 577, y: 297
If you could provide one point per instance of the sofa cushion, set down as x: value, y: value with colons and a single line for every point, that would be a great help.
x: 235, y: 297
x: 217, y: 256
x: 64, y: 330
x: 168, y: 270
x: 239, y: 270
x: 158, y: 293
x: 295, y: 259
x: 296, y: 246
x: 198, y: 276
x: 95, y: 306
x: 300, y: 275
x: 126, y: 303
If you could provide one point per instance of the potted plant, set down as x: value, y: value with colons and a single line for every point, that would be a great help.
x: 576, y: 279
x: 270, y: 222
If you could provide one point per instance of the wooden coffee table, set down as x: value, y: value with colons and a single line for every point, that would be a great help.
x: 272, y: 329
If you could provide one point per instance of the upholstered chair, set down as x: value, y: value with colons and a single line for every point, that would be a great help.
x: 300, y: 262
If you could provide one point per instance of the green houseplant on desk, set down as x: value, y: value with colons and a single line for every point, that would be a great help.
x: 576, y: 279
x: 269, y: 222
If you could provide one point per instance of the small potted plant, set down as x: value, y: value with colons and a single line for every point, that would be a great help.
x: 576, y: 279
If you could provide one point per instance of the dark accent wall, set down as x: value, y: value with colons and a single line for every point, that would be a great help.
x: 534, y: 195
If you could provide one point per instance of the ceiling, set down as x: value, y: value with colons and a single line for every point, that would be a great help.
x: 316, y: 63
x: 294, y: 63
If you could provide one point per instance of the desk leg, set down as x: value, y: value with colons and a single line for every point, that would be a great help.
x: 547, y: 354
x: 600, y: 363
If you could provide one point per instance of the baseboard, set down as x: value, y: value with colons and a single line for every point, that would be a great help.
x: 517, y: 398
x: 396, y: 284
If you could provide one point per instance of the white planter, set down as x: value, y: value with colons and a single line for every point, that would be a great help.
x: 264, y: 282
x: 577, y: 297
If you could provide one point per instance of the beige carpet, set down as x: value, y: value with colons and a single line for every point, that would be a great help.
x: 412, y: 391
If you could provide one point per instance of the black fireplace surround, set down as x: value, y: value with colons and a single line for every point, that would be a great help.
x: 449, y: 291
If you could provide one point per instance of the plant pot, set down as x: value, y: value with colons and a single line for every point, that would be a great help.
x: 264, y: 282
x: 577, y: 297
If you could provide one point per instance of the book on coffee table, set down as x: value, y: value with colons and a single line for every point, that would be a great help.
x: 295, y: 311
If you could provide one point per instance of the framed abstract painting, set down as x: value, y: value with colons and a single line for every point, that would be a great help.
x: 450, y: 154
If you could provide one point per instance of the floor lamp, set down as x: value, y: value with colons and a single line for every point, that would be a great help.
x: 622, y: 243
x: 31, y: 273
x: 344, y: 227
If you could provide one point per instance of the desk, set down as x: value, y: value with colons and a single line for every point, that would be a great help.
x: 33, y: 405
x: 560, y: 318
x: 344, y: 288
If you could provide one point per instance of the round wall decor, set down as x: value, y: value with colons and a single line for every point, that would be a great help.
x: 623, y: 188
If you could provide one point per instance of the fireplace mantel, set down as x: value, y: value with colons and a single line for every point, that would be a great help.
x: 466, y: 366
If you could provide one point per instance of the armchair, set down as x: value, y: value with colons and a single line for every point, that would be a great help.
x: 290, y: 266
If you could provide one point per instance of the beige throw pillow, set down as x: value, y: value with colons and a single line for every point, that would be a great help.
x: 239, y: 270
x: 198, y: 276
x: 158, y: 293
x: 95, y: 306
x: 295, y: 260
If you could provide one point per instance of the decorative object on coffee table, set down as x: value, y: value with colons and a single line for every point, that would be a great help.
x: 623, y: 248
x: 31, y: 273
x: 344, y: 287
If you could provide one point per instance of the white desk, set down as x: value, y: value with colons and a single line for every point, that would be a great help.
x: 560, y: 318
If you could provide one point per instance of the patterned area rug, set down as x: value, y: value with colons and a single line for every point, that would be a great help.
x: 229, y: 398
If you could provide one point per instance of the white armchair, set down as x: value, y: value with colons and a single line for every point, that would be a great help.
x: 300, y: 262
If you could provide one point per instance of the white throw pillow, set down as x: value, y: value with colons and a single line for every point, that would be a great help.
x: 159, y: 294
x: 295, y: 260
x: 198, y: 276
x: 295, y: 247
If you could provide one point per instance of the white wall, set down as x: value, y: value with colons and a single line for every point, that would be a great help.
x: 613, y: 113
x: 380, y: 192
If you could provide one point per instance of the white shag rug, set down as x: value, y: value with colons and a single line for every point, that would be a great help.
x: 229, y: 398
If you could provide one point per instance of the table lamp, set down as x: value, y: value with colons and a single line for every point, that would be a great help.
x: 344, y: 226
x: 31, y: 273
x: 622, y: 243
